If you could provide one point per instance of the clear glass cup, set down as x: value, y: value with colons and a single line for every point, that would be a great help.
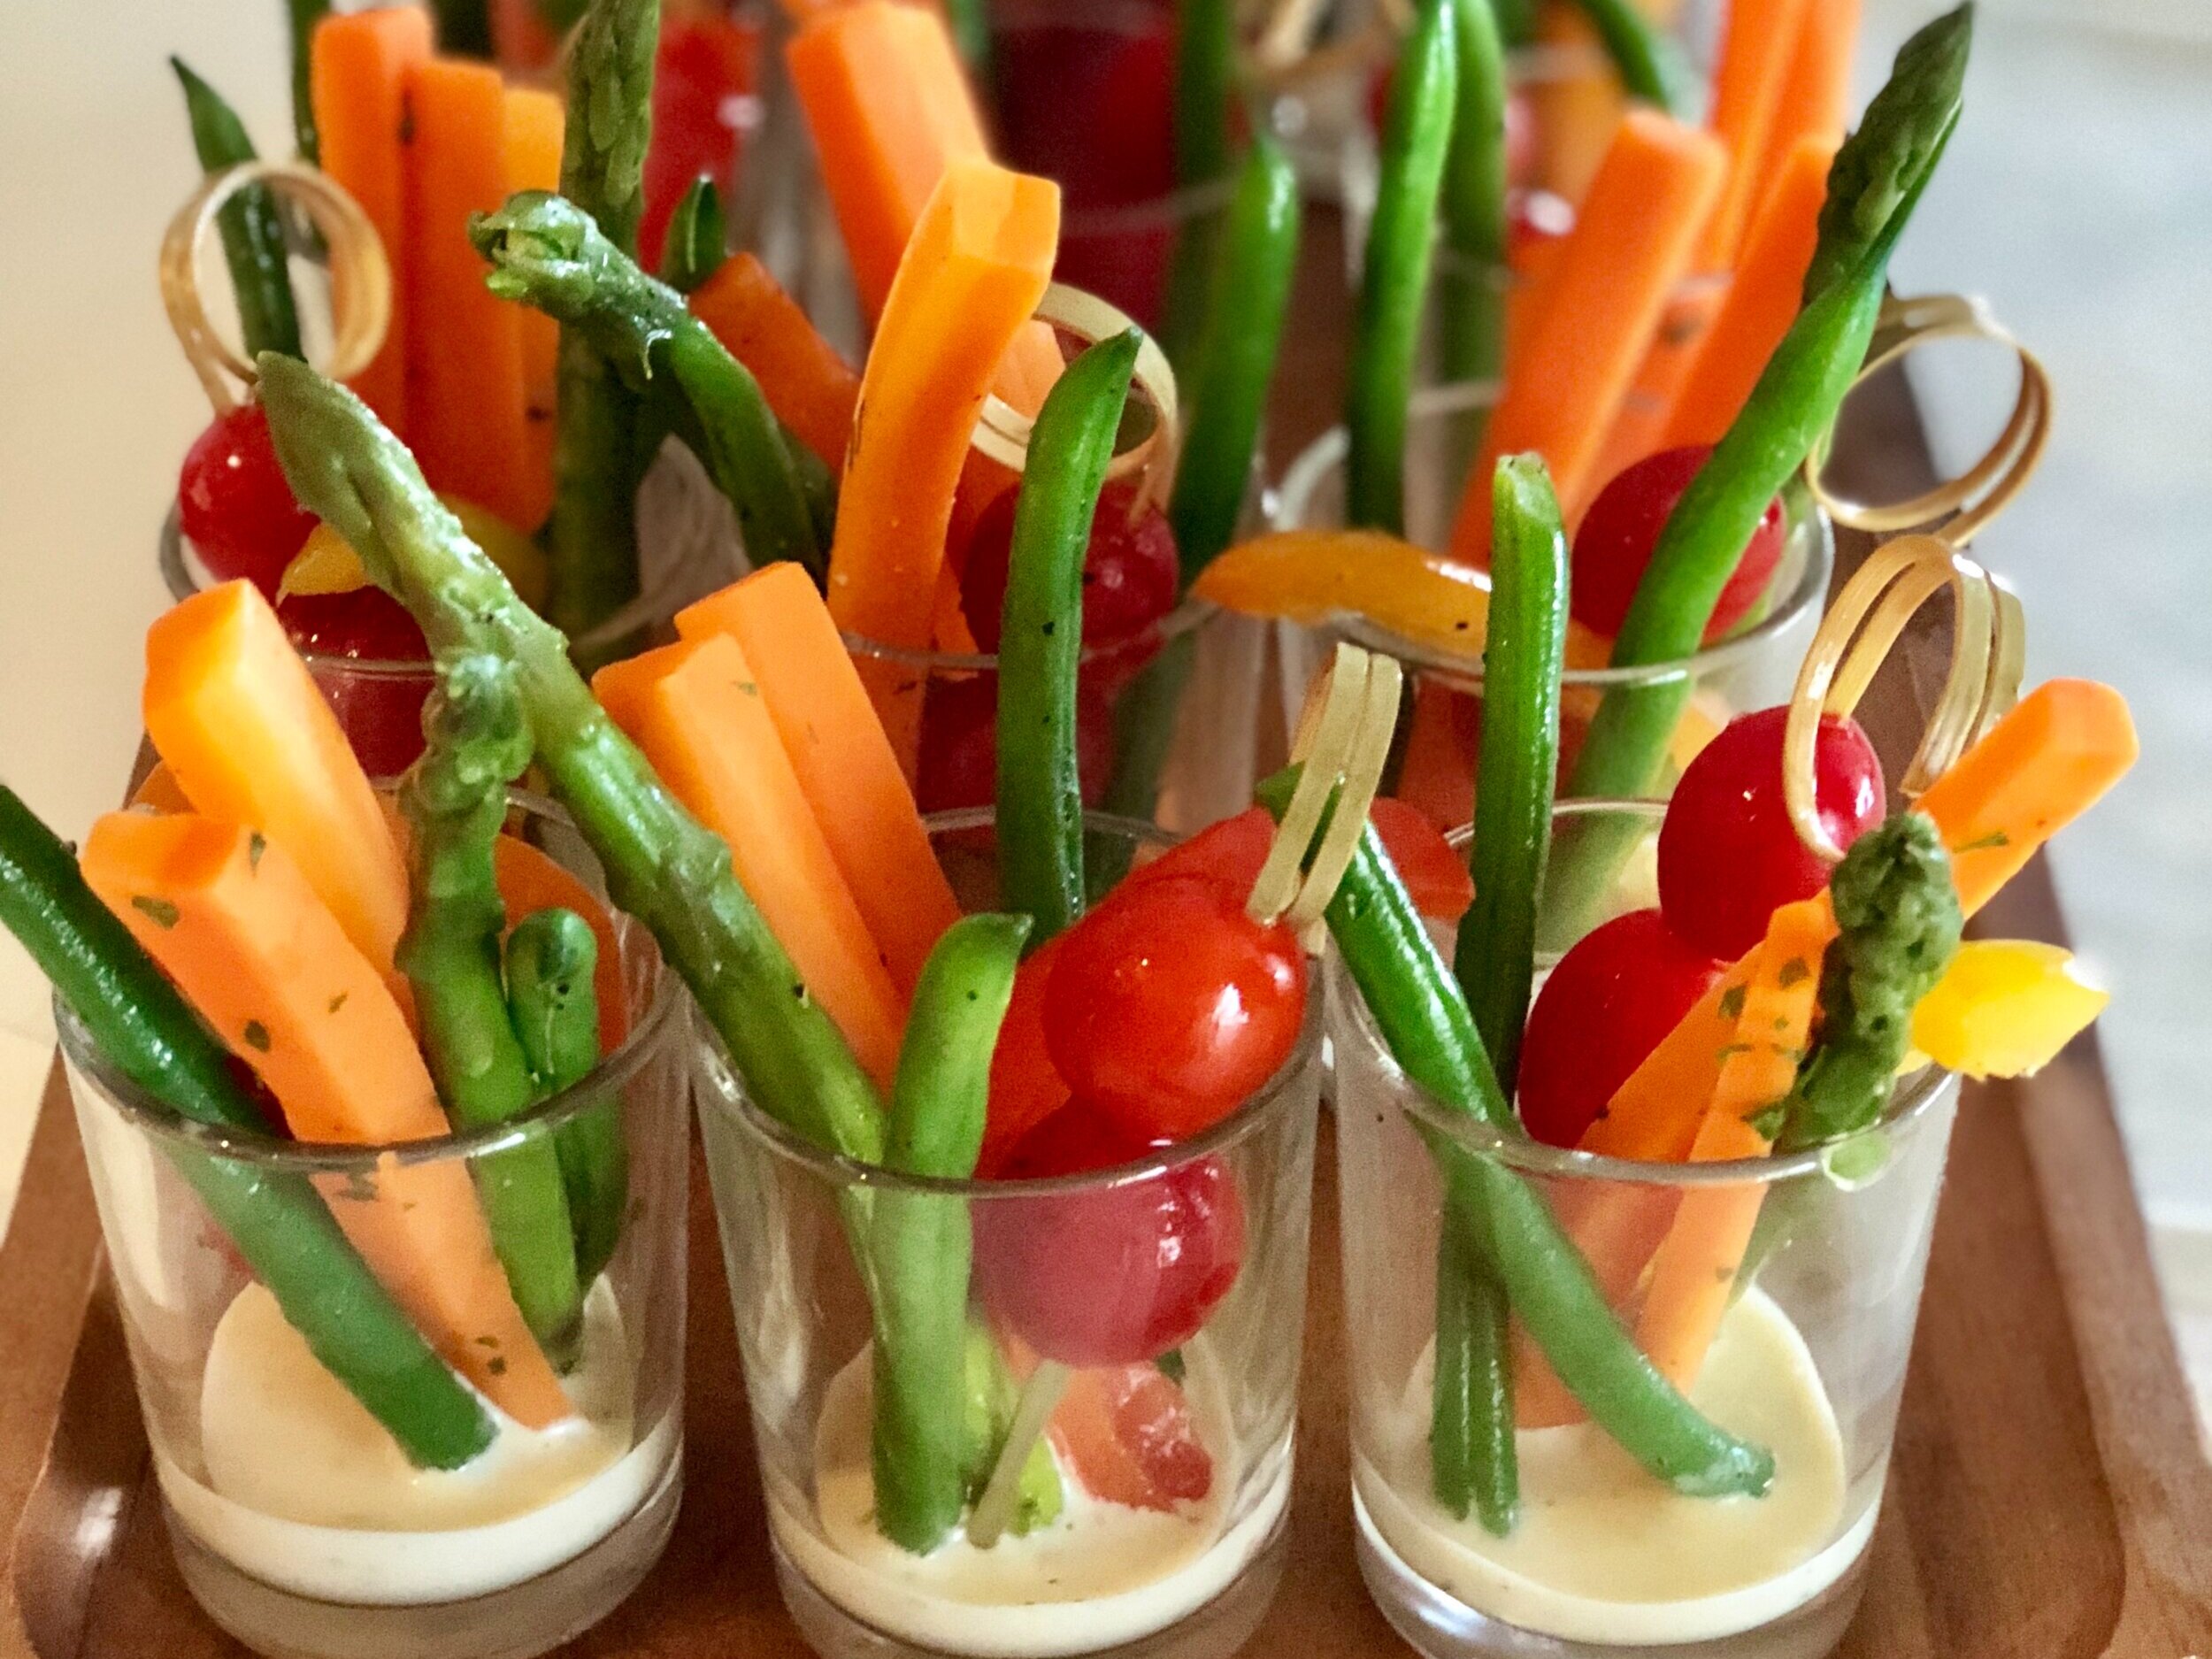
x: 1809, y: 1363
x: 1188, y: 1581
x: 687, y: 546
x: 1753, y: 668
x: 296, y: 1520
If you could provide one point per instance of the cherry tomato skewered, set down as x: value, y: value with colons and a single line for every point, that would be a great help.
x: 1129, y: 570
x: 234, y: 504
x: 1613, y: 547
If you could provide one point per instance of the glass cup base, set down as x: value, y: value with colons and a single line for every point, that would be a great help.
x: 1216, y: 1631
x: 520, y: 1622
x: 1439, y: 1626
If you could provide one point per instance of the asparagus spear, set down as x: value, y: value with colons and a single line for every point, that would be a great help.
x: 662, y: 867
x: 252, y: 229
x: 551, y: 957
x: 599, y: 453
x: 280, y: 1225
x: 454, y: 799
x: 547, y: 252
x: 304, y: 15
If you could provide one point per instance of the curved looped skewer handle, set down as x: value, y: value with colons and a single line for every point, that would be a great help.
x: 1988, y: 657
x: 360, y: 274
x: 1003, y: 431
x: 1962, y: 507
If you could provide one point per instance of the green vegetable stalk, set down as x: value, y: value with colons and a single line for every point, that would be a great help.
x: 1394, y: 289
x: 1897, y: 911
x: 599, y: 451
x: 698, y: 238
x: 280, y: 1225
x: 1205, y: 98
x: 1651, y: 67
x: 992, y: 1399
x: 551, y: 958
x: 455, y: 801
x: 251, y: 226
x: 547, y: 252
x: 1471, y: 285
x: 921, y: 1243
x: 465, y: 28
x: 303, y: 15
x: 1041, y: 643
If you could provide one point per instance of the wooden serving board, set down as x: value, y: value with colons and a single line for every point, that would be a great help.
x: 2051, y: 1497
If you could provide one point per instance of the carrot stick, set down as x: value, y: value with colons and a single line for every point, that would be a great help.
x: 235, y: 715
x: 234, y: 922
x: 534, y: 122
x: 1684, y: 326
x: 1816, y: 95
x: 811, y: 389
x: 358, y: 64
x: 1631, y: 244
x: 465, y: 376
x: 1757, y: 51
x: 1576, y: 112
x: 696, y: 709
x: 843, y: 761
x: 973, y: 273
x: 1763, y: 300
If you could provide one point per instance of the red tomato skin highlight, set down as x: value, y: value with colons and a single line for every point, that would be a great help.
x: 234, y: 505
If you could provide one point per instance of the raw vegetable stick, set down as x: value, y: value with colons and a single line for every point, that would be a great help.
x: 232, y: 920
x: 252, y: 232
x: 1469, y: 295
x: 841, y: 758
x: 303, y: 15
x: 236, y: 716
x: 551, y: 961
x: 1631, y: 245
x: 360, y: 64
x: 530, y: 881
x: 1041, y: 643
x: 696, y: 242
x: 920, y: 1244
x: 547, y: 252
x: 1395, y: 281
x: 813, y: 389
x: 145, y: 1029
x: 534, y: 123
x: 662, y: 865
x: 1762, y: 301
x: 1816, y: 94
x: 1650, y: 66
x: 1203, y: 115
x: 455, y: 802
x: 695, y: 710
x: 973, y: 273
x: 1748, y: 86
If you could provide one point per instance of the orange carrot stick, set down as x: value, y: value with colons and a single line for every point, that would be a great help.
x: 844, y: 763
x: 1575, y: 112
x: 811, y: 389
x: 233, y: 921
x: 534, y: 123
x: 1816, y: 95
x: 1631, y: 245
x: 973, y: 273
x: 357, y: 72
x: 1757, y: 51
x: 1684, y: 325
x: 234, y: 713
x: 696, y: 709
x: 1763, y: 300
x: 464, y: 378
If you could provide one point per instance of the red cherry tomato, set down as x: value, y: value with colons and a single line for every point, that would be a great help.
x: 1170, y: 1006
x: 1232, y: 851
x: 233, y: 503
x: 1025, y: 1087
x: 1127, y: 1434
x: 1062, y: 79
x: 1129, y: 570
x: 1109, y: 1275
x: 379, y: 711
x: 703, y: 70
x: 1728, y: 857
x: 1604, y: 1008
x: 959, y: 754
x: 1617, y: 534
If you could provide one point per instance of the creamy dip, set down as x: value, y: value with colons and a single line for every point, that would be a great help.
x: 305, y: 1490
x: 1603, y: 1552
x: 1101, y: 1575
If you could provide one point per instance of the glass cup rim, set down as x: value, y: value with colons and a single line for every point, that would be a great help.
x: 182, y: 574
x: 614, y: 1073
x: 1910, y: 1096
x: 1804, y: 520
x: 727, y: 1095
x: 1187, y: 617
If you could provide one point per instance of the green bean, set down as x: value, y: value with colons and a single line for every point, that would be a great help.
x: 662, y: 867
x: 1469, y: 288
x: 465, y: 28
x: 455, y: 802
x: 1041, y: 642
x: 1428, y: 1029
x: 552, y: 956
x: 144, y: 1029
x: 698, y: 238
x: 1225, y: 391
x: 1651, y: 67
x: 1473, y: 1459
x: 992, y: 1400
x: 303, y: 15
x: 251, y: 226
x: 547, y: 252
x: 1393, y: 287
x: 1516, y: 20
x: 921, y: 1242
x: 1205, y: 99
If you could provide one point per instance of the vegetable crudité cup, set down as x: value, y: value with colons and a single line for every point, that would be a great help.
x: 1753, y: 668
x: 687, y: 546
x: 1808, y: 1364
x: 1165, y: 1533
x: 298, y: 1522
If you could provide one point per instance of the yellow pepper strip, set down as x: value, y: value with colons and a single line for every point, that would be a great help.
x: 326, y: 564
x: 2005, y: 1008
